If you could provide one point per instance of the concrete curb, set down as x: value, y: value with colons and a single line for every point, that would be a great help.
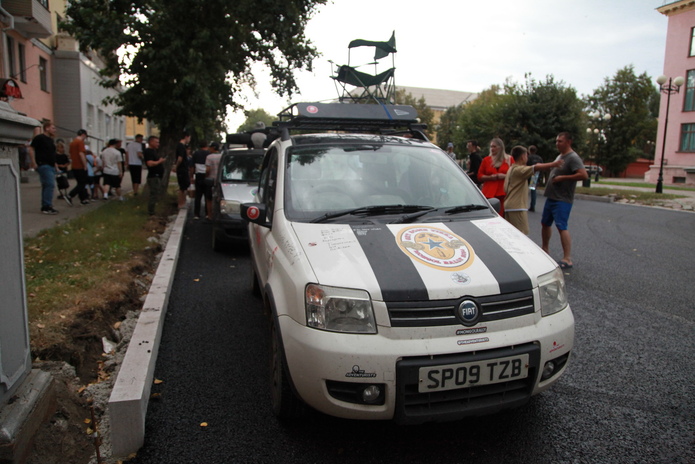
x: 131, y: 391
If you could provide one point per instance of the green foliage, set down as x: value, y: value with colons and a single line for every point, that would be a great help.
x: 424, y: 112
x: 254, y: 116
x: 632, y: 102
x: 532, y: 114
x: 187, y: 60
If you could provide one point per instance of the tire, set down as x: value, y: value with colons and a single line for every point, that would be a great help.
x: 255, y: 286
x: 286, y: 406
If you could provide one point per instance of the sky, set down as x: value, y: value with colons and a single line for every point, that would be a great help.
x: 470, y: 45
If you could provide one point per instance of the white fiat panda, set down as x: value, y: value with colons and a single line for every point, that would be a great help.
x: 394, y: 289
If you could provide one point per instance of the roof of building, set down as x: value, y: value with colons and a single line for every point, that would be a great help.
x: 439, y: 99
x: 669, y: 8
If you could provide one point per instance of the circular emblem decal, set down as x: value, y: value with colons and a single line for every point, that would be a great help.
x: 253, y: 212
x: 437, y: 248
x: 460, y: 278
x: 312, y: 109
x: 468, y: 313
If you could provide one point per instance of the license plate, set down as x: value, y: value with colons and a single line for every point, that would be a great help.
x: 464, y: 375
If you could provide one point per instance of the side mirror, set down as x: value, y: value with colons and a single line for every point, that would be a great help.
x: 495, y: 203
x: 256, y: 213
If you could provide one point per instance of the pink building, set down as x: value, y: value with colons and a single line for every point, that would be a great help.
x: 679, y: 61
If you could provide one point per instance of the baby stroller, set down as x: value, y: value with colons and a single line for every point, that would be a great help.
x: 63, y: 186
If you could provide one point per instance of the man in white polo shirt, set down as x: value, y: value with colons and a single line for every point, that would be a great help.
x: 113, y: 167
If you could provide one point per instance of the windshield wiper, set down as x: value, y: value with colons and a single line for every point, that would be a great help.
x: 427, y: 210
x: 371, y: 211
x: 465, y: 208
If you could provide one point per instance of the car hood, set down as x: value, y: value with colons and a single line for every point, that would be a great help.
x: 418, y: 262
x: 242, y: 192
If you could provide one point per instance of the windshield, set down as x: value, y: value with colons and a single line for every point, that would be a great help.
x: 240, y: 167
x: 322, y: 180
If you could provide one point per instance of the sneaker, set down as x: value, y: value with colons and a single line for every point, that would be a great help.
x: 49, y: 210
x: 67, y: 199
x: 85, y: 202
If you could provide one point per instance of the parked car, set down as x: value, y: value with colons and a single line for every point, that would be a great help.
x: 237, y: 180
x: 394, y: 289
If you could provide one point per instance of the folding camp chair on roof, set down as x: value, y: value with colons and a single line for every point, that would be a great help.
x: 361, y: 87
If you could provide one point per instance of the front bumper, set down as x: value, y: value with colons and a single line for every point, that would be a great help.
x: 322, y: 364
x: 230, y: 229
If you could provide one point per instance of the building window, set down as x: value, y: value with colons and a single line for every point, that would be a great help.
x: 692, y: 42
x: 22, y: 55
x: 10, y: 57
x: 90, y: 117
x: 689, y: 104
x: 44, y: 3
x: 43, y: 74
x: 687, y: 137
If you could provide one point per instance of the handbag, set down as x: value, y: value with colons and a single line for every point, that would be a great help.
x: 62, y: 182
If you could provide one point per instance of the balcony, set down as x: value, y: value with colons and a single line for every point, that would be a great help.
x: 31, y: 17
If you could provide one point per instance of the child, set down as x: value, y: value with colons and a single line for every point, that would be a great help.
x: 516, y: 187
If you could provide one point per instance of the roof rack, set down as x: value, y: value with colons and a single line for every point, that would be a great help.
x: 348, y: 117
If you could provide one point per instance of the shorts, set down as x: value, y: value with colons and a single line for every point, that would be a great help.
x: 112, y: 180
x: 209, y: 184
x: 184, y: 181
x: 135, y: 173
x: 558, y: 211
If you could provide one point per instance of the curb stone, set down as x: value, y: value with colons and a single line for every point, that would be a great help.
x: 131, y: 391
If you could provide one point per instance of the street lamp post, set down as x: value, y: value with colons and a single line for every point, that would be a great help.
x: 600, y: 119
x: 673, y: 86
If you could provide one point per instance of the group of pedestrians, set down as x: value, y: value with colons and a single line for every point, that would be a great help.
x: 203, y: 169
x: 510, y: 177
x: 51, y: 160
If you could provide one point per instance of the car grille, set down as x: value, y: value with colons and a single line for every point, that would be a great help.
x: 443, y: 312
x: 413, y: 407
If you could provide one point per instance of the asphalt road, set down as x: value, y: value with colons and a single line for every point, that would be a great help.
x: 628, y: 395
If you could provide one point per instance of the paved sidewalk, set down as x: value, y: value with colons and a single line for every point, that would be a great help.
x: 34, y: 221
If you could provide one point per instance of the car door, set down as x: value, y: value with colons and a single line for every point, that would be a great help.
x: 263, y: 243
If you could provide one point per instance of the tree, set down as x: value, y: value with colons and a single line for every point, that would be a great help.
x: 539, y: 110
x: 449, y: 131
x: 529, y: 114
x: 631, y: 130
x: 424, y: 112
x: 185, y: 61
x: 254, y: 116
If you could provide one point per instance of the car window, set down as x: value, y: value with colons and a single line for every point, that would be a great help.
x: 331, y: 178
x: 268, y: 180
x: 241, y: 167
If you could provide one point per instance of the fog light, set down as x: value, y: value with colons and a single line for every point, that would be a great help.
x: 371, y: 394
x: 548, y: 370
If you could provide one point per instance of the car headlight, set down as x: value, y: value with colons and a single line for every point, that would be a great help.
x: 553, y: 296
x: 230, y: 207
x: 339, y: 309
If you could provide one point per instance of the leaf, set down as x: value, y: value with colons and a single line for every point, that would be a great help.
x: 157, y: 381
x: 203, y: 424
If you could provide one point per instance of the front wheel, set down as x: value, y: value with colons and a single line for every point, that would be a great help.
x: 286, y: 405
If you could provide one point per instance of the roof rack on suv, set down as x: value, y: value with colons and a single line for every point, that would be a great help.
x: 348, y: 117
